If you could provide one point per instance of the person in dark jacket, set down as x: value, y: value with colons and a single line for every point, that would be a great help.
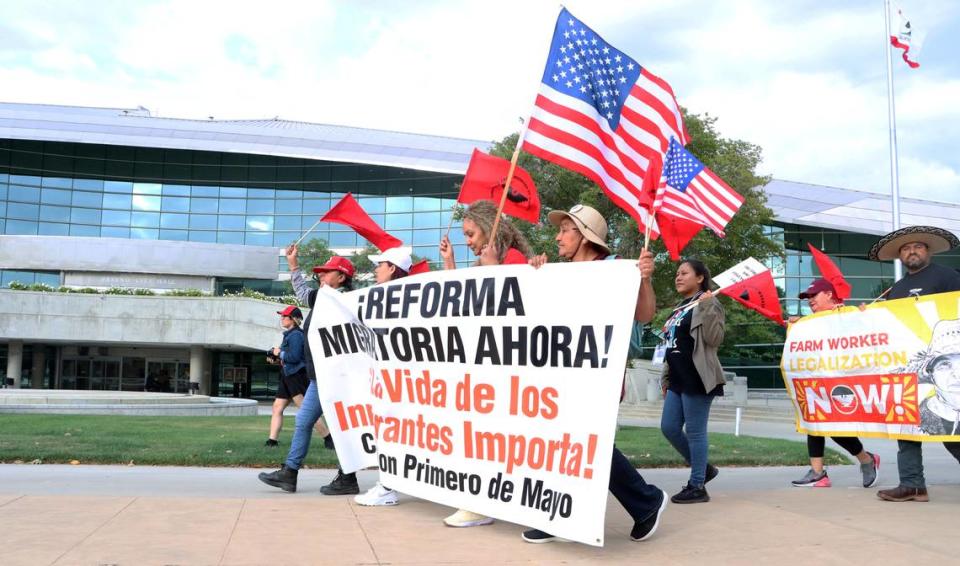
x: 692, y: 376
x: 293, y: 369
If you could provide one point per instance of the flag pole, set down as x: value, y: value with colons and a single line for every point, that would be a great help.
x: 892, y: 119
x: 492, y: 237
x: 453, y: 210
x: 297, y: 243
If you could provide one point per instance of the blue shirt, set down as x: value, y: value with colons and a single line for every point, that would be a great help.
x: 291, y: 351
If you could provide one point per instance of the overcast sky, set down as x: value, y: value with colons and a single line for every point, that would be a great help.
x: 805, y: 80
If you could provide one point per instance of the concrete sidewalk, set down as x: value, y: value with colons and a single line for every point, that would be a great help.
x: 156, y: 515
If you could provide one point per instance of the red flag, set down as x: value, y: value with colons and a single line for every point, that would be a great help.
x: 676, y: 233
x: 758, y: 293
x: 422, y: 266
x: 485, y: 178
x: 831, y: 273
x: 349, y: 213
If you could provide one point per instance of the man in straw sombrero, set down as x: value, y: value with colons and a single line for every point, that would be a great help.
x: 914, y: 246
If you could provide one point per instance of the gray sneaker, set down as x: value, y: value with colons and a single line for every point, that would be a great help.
x: 871, y: 470
x: 813, y: 479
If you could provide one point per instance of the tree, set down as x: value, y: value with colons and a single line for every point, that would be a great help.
x: 735, y: 161
x: 312, y: 253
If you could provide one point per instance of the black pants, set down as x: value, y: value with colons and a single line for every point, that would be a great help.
x: 639, y: 498
x: 817, y: 444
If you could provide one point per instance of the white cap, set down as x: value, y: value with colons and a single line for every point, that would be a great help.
x: 397, y: 256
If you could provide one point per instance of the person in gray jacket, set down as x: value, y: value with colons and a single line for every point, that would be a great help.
x: 692, y: 376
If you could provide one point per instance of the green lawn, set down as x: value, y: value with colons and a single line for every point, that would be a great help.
x: 238, y: 441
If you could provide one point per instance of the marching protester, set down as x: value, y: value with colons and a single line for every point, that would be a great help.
x: 581, y: 236
x: 691, y: 376
x: 337, y: 273
x: 510, y: 248
x: 913, y: 246
x: 293, y: 370
x: 822, y: 296
x: 391, y: 265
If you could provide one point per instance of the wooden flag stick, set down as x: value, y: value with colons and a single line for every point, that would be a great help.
x: 297, y: 243
x: 492, y: 237
x: 646, y: 235
x: 453, y: 210
x: 882, y: 295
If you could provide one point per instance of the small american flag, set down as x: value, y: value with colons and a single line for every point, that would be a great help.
x: 599, y: 113
x: 689, y: 190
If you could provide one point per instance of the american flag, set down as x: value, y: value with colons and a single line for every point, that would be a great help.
x: 688, y: 189
x: 601, y: 114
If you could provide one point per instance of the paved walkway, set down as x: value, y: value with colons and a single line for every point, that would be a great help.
x: 119, y: 515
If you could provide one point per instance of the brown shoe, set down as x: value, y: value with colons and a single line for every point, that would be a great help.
x: 901, y: 493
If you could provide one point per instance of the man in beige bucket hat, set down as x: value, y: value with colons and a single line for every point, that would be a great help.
x: 914, y: 245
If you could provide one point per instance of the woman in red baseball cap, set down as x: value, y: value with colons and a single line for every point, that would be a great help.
x: 293, y: 372
x: 822, y: 296
x: 336, y: 273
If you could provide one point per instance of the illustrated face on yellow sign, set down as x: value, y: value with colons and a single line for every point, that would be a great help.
x: 891, y: 371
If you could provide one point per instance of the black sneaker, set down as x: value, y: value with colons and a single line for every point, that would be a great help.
x: 536, y: 536
x: 328, y: 442
x: 642, y: 530
x: 343, y: 484
x: 271, y: 443
x: 691, y: 494
x: 712, y: 472
x: 284, y: 478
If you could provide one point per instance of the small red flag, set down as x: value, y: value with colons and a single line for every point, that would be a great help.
x: 422, y: 266
x: 349, y: 213
x: 758, y: 293
x: 485, y: 178
x: 831, y: 273
x: 676, y: 233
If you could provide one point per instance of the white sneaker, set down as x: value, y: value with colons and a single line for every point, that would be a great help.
x: 464, y: 518
x: 376, y: 496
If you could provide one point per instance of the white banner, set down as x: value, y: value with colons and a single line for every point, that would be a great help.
x: 739, y: 272
x: 493, y: 389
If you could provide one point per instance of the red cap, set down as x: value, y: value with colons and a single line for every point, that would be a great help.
x: 336, y: 263
x: 818, y: 286
x: 291, y: 311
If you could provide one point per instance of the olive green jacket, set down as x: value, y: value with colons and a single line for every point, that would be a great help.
x: 706, y: 328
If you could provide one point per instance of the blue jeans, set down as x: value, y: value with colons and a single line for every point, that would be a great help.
x: 307, y: 415
x: 681, y: 409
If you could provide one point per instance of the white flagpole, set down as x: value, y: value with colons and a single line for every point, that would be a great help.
x: 894, y: 171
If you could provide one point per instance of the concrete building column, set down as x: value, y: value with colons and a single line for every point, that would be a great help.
x: 197, y: 367
x: 14, y: 361
x: 39, y: 364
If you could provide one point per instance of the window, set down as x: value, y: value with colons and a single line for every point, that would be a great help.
x: 55, y: 196
x: 181, y: 235
x: 21, y: 227
x: 55, y: 213
x: 233, y: 206
x: 122, y: 202
x: 286, y: 223
x: 203, y: 222
x: 200, y: 191
x: 168, y: 220
x: 175, y: 204
x: 22, y: 211
x: 114, y: 232
x: 141, y: 202
x: 203, y: 205
x: 143, y: 233
x: 23, y: 194
x: 116, y: 218
x: 124, y: 187
x: 232, y: 192
x: 84, y: 216
x: 258, y: 239
x: 230, y: 237
x: 260, y: 223
x: 90, y: 200
x: 202, y: 236
x: 145, y: 220
x: 87, y: 231
x: 289, y: 206
x: 147, y: 189
x: 176, y: 190
x: 88, y: 184
x: 52, y: 229
x: 259, y: 206
x: 61, y: 182
x: 230, y: 222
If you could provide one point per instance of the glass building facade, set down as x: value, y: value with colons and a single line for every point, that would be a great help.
x: 63, y: 189
x: 112, y: 191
